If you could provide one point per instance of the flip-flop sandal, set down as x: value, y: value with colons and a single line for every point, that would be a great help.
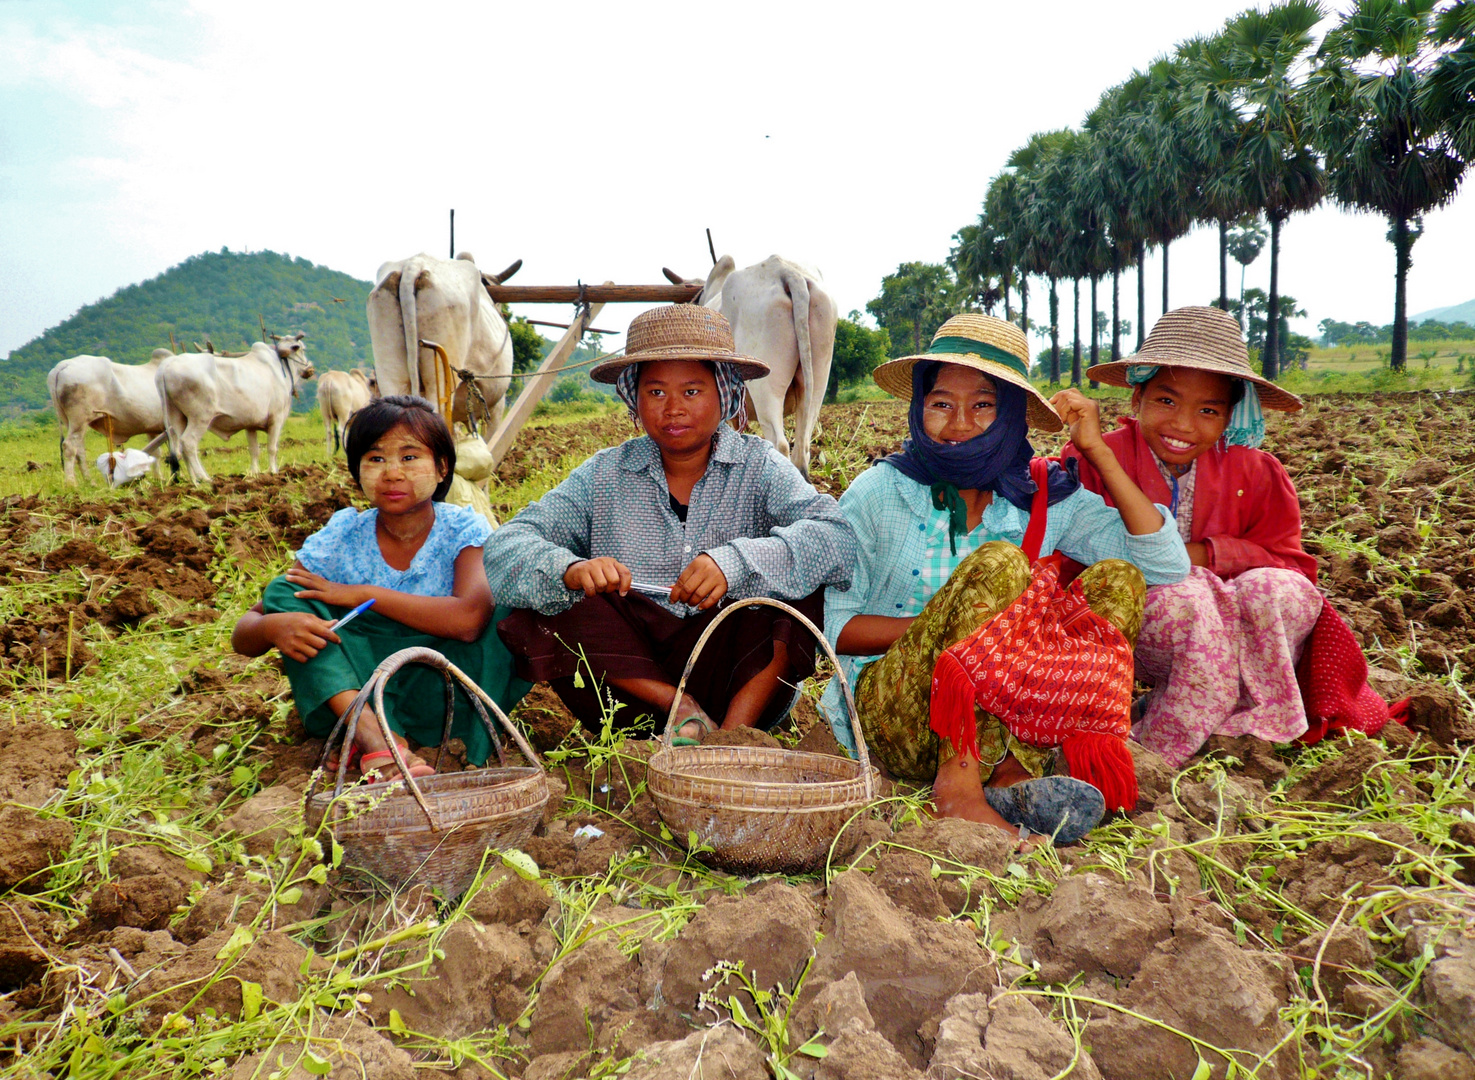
x: 1059, y: 806
x: 707, y: 726
x: 379, y: 759
x: 354, y: 753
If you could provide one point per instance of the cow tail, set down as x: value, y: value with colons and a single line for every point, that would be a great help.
x: 172, y: 432
x: 61, y: 415
x: 410, y: 318
x: 798, y: 289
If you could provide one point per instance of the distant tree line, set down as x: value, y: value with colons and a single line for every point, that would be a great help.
x: 1365, y: 333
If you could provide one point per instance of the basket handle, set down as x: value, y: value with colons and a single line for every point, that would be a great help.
x: 765, y: 601
x: 348, y: 722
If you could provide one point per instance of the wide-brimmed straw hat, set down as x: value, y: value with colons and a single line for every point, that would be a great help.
x: 992, y: 346
x: 679, y: 332
x: 1203, y: 338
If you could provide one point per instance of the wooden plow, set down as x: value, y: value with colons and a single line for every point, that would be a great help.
x: 590, y: 300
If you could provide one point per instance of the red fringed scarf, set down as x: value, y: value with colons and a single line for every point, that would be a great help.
x: 1052, y: 670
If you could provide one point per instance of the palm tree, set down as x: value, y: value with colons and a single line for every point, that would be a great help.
x: 1246, y: 241
x: 1450, y: 88
x: 1044, y: 196
x: 1110, y: 125
x: 1207, y: 106
x: 1389, y: 143
x: 1163, y: 179
x: 1263, y: 50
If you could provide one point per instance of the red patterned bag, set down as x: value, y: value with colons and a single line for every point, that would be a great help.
x: 1050, y: 668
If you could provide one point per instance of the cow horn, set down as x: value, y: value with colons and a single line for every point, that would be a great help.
x: 276, y: 337
x: 497, y: 279
x: 672, y: 276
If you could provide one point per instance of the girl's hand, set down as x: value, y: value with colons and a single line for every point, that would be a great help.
x: 600, y: 575
x: 299, y: 635
x: 1083, y: 417
x: 702, y: 584
x: 1198, y: 553
x: 316, y: 587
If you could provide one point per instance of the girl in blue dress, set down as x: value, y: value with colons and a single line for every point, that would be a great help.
x: 420, y: 561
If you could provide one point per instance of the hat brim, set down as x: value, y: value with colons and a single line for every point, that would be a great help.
x: 748, y: 367
x: 1271, y: 396
x: 895, y: 377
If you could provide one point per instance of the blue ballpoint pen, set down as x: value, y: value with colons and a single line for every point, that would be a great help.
x: 354, y: 614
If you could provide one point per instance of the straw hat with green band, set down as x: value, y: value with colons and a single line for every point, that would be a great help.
x: 1202, y: 338
x: 992, y: 346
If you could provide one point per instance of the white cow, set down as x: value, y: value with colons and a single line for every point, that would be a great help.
x: 340, y: 395
x: 444, y: 301
x: 204, y: 392
x: 781, y: 314
x: 92, y: 391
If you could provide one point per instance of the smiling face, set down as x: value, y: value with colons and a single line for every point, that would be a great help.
x: 1182, y: 412
x: 960, y: 406
x: 399, y: 472
x: 679, y: 406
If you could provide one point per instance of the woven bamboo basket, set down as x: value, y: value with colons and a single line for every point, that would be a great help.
x: 758, y: 809
x: 437, y: 830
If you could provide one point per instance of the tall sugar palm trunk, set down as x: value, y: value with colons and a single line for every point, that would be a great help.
x: 1095, y: 333
x: 1141, y: 293
x: 1165, y: 277
x: 1270, y: 359
x: 1075, y: 362
x: 1116, y: 304
x: 1223, y: 264
x: 1054, y: 331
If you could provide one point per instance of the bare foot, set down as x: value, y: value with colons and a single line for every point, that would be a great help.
x: 957, y: 793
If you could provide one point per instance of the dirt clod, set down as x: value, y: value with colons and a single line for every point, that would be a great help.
x: 1091, y: 924
x: 909, y: 967
x: 1008, y: 1040
x: 770, y: 930
x: 33, y: 843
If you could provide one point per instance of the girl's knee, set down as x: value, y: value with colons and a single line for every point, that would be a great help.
x: 1117, y: 592
x: 1000, y: 561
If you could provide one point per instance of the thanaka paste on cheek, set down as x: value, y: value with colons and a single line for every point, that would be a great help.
x: 421, y: 476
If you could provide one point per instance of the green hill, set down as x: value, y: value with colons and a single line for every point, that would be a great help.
x: 219, y: 294
x: 1464, y: 313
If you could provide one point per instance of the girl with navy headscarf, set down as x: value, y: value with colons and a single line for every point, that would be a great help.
x: 939, y: 526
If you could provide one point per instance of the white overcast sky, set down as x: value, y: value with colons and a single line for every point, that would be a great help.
x: 593, y: 140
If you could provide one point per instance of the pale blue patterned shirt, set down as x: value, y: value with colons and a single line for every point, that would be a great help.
x: 900, y: 532
x: 768, y: 530
x: 346, y: 550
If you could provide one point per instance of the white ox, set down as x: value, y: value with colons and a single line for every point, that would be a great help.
x: 253, y: 392
x: 340, y: 395
x: 781, y: 314
x: 92, y: 391
x: 444, y: 301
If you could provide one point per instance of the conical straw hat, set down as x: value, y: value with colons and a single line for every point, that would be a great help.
x: 995, y: 347
x: 1203, y: 338
x: 679, y: 332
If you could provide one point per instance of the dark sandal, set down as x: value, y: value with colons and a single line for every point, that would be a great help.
x: 1061, y: 807
x: 705, y: 723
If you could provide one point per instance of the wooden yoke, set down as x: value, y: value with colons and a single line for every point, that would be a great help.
x: 537, y: 383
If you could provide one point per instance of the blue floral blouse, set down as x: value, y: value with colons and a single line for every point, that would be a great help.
x: 346, y: 550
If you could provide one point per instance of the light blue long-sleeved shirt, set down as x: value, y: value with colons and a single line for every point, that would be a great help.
x: 895, y: 524
x: 765, y: 526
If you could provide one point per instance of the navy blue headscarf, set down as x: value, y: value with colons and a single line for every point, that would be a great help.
x: 997, y: 460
